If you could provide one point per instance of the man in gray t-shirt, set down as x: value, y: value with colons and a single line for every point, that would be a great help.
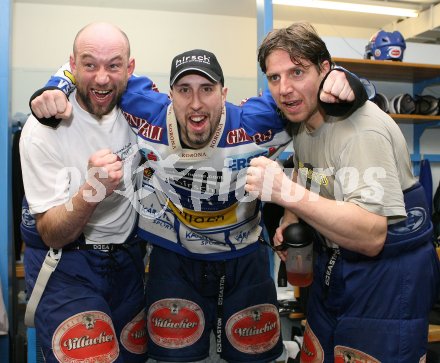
x: 376, y: 274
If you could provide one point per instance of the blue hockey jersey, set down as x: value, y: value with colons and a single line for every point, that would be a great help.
x: 193, y: 200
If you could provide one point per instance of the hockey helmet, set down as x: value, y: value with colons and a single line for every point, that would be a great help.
x: 386, y: 46
x: 403, y: 104
x: 382, y: 101
x: 427, y: 105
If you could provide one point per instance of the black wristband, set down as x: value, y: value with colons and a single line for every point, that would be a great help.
x: 51, y: 121
x: 345, y: 108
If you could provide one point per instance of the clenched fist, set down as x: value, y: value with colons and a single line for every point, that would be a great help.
x: 265, y: 178
x: 336, y: 88
x: 52, y: 103
x: 105, y: 172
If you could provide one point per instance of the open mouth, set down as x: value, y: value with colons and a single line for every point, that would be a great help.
x: 292, y: 104
x: 101, y: 95
x: 197, y: 118
x: 198, y: 121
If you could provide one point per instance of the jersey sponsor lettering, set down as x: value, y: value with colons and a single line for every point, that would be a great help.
x: 193, y: 154
x: 143, y: 127
x: 237, y: 136
x: 236, y: 163
x: 172, y: 135
x: 242, y: 236
x: 202, y: 174
x: 65, y: 87
x: 346, y: 354
x: 205, y: 181
x: 311, y: 350
x: 175, y: 323
x: 261, y: 138
x: 217, y: 134
x: 202, y: 239
x: 134, y: 334
x: 164, y: 224
x: 203, y: 220
x: 254, y: 330
x: 87, y: 336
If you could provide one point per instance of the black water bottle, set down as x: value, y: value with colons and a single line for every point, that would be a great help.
x: 298, y: 242
x: 282, y: 275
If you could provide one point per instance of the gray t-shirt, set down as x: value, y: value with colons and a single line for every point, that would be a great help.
x: 362, y: 159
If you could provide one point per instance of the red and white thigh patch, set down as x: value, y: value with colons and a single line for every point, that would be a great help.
x: 134, y: 335
x: 175, y: 323
x: 87, y: 336
x: 311, y: 350
x: 254, y: 330
x: 346, y: 354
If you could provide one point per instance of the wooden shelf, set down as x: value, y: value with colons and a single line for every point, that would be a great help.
x: 411, y: 118
x: 390, y: 70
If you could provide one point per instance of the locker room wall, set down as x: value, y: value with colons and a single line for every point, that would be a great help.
x: 42, y: 37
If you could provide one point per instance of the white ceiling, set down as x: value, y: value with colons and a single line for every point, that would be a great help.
x: 425, y: 28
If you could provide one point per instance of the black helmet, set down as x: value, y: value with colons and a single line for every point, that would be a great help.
x: 427, y: 105
x: 403, y: 104
x: 382, y: 101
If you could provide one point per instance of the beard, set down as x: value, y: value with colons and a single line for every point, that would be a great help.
x: 200, y: 140
x: 98, y: 110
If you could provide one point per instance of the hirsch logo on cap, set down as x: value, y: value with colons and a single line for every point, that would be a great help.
x: 193, y: 58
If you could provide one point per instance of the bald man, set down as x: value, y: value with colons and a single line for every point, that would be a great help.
x: 78, y: 181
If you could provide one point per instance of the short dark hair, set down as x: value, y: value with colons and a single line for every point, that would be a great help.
x: 300, y: 40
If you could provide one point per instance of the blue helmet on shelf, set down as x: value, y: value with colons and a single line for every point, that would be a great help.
x: 386, y: 46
